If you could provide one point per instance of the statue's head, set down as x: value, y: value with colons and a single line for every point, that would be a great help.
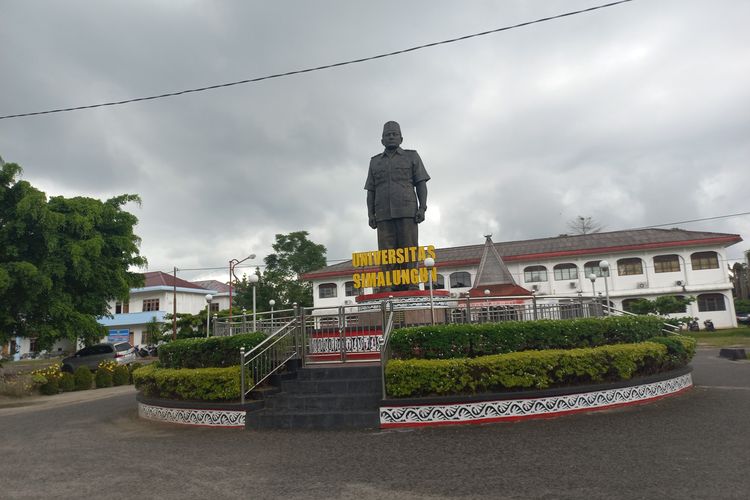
x: 391, y: 135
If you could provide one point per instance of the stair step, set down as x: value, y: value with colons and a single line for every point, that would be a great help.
x: 357, y: 419
x: 339, y: 372
x: 331, y: 402
x: 333, y: 386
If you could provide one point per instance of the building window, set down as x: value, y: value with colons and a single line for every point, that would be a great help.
x: 122, y: 307
x: 534, y: 274
x: 566, y: 272
x: 350, y: 291
x: 214, y: 307
x: 711, y: 302
x: 592, y: 268
x: 460, y: 279
x: 705, y: 260
x: 151, y: 305
x: 629, y: 267
x: 666, y: 264
x: 437, y: 285
x: 327, y: 290
x: 33, y: 344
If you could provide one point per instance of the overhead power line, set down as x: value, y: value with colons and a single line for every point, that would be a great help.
x: 317, y: 68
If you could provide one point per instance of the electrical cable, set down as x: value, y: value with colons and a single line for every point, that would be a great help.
x: 317, y: 68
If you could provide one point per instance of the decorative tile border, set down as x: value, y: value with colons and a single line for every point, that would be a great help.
x: 186, y: 416
x: 516, y: 409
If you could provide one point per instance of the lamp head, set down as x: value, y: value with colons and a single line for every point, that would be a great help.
x: 592, y: 277
x: 429, y: 262
x: 271, y: 302
x: 253, y: 278
x: 486, y: 292
x: 209, y: 298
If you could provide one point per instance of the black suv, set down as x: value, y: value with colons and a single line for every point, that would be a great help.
x: 90, y: 357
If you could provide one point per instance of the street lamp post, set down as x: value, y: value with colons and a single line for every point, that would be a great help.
x: 429, y: 263
x: 604, y: 266
x: 592, y: 277
x: 209, y: 298
x: 253, y: 279
x: 271, y: 303
x: 232, y: 264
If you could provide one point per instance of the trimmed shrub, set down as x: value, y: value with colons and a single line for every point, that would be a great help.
x: 472, y: 340
x: 212, y: 352
x: 103, y: 378
x: 131, y: 368
x: 529, y: 369
x: 121, y: 375
x: 204, y: 384
x: 83, y: 378
x: 52, y: 386
x: 67, y: 382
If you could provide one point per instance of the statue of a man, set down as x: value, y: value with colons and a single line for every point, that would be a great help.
x: 396, y: 195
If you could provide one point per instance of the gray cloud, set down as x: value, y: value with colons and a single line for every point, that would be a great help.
x: 634, y: 115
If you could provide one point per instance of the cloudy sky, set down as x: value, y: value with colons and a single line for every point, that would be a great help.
x: 635, y: 115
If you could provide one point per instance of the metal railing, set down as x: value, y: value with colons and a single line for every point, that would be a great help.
x: 385, y: 348
x: 266, y: 322
x: 269, y: 356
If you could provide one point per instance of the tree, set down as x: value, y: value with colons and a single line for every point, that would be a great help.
x: 584, y: 225
x: 294, y: 256
x: 666, y: 304
x: 61, y: 261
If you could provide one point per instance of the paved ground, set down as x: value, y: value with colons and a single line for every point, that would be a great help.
x: 693, y: 446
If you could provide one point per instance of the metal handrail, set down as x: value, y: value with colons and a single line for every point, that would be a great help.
x: 264, y: 359
x: 667, y: 328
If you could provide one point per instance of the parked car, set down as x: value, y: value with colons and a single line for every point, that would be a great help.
x: 90, y: 357
x: 743, y: 319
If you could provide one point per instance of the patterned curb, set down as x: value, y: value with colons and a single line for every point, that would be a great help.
x: 517, y: 409
x: 187, y: 416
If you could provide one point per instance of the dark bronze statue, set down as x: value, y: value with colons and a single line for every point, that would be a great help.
x: 396, y: 196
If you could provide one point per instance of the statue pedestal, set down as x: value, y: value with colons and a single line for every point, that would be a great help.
x: 415, y: 305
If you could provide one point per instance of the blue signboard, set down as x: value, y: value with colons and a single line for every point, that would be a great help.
x: 118, y: 336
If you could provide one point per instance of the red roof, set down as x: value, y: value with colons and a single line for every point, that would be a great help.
x: 158, y: 278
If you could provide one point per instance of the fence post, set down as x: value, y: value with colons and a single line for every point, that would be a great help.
x: 342, y: 333
x: 533, y: 300
x: 216, y: 318
x: 242, y: 375
x: 468, y: 309
x: 299, y: 313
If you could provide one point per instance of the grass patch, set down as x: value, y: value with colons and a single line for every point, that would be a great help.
x: 737, y: 337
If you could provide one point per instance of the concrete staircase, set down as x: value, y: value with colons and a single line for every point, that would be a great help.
x: 322, y: 397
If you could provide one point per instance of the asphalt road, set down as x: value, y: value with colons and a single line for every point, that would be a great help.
x: 696, y: 445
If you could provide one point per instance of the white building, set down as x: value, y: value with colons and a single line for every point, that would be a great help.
x: 155, y: 299
x: 644, y: 263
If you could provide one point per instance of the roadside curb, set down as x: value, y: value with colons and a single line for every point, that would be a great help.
x: 7, y: 405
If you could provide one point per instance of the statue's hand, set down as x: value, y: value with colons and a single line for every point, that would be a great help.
x: 420, y: 216
x: 373, y: 223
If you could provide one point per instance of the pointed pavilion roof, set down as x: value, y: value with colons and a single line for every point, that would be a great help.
x: 493, y: 275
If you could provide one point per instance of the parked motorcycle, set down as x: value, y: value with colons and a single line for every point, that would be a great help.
x: 709, y: 325
x: 693, y: 325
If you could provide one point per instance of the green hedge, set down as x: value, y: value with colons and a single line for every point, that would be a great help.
x: 211, y: 352
x: 536, y: 369
x: 201, y: 384
x: 472, y: 340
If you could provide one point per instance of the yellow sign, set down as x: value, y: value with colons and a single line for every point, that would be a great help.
x: 393, y: 277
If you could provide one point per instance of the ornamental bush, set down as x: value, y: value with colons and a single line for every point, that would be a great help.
x: 203, y: 384
x: 83, y: 378
x: 211, y: 352
x: 103, y: 378
x: 535, y: 369
x: 67, y: 382
x: 52, y: 386
x: 472, y: 340
x: 121, y: 375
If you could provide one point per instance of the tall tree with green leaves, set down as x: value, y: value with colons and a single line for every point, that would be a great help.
x: 62, y: 260
x: 294, y: 255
